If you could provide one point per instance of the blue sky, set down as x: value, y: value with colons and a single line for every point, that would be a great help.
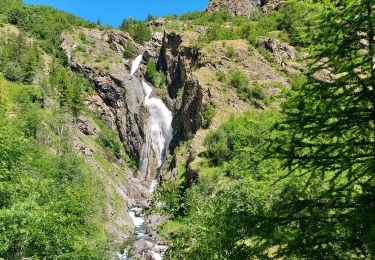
x: 114, y: 11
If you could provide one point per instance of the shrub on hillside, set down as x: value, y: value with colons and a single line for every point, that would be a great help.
x: 129, y: 51
x: 257, y: 92
x: 243, y: 87
x: 292, y: 19
x: 45, y: 23
x: 13, y: 72
x: 221, y: 76
x: 208, y: 114
x: 47, y: 194
x: 219, y: 31
x: 157, y: 78
x: 229, y: 51
x: 108, y: 138
x: 70, y: 86
x: 238, y: 80
x: 237, y: 137
x: 19, y: 59
x: 139, y: 30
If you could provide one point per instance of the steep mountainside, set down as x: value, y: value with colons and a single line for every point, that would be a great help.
x: 165, y: 137
x: 195, y: 90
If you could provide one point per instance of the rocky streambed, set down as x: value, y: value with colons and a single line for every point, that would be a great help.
x: 147, y: 244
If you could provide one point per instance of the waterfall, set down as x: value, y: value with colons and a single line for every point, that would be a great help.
x: 158, y: 129
x: 158, y: 135
x: 135, y: 64
x: 158, y: 132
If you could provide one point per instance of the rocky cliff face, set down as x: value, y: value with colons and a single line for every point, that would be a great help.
x: 119, y: 101
x: 99, y: 55
x: 235, y: 7
x: 194, y: 86
x: 119, y: 98
x: 178, y: 60
x: 244, y: 7
x: 112, y: 81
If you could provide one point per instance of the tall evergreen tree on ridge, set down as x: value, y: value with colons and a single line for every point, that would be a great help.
x: 331, y: 128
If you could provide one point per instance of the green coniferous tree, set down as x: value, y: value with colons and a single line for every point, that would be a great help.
x: 330, y: 124
x: 30, y: 61
x: 75, y: 95
x: 60, y: 79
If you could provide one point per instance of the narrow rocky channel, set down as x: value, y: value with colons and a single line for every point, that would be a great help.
x: 158, y: 135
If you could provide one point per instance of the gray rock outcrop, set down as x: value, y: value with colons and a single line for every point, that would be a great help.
x: 119, y: 96
x: 244, y: 7
x: 284, y: 54
x: 235, y: 7
x: 178, y: 60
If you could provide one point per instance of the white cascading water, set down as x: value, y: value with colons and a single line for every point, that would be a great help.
x: 135, y: 64
x: 158, y: 132
x: 158, y: 135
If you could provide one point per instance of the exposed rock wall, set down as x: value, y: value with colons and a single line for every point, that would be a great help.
x: 119, y: 97
x: 178, y: 60
x: 235, y: 7
x: 189, y: 115
x: 188, y: 69
x: 244, y: 7
x: 122, y: 96
x: 284, y: 54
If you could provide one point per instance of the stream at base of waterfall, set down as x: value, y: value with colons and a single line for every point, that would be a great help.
x: 158, y: 135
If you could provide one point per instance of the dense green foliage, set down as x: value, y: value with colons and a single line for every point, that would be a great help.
x: 330, y: 126
x: 50, y: 206
x: 109, y: 138
x: 139, y: 30
x: 223, y: 210
x: 70, y: 87
x: 19, y: 59
x: 243, y: 87
x: 47, y: 201
x: 208, y: 114
x: 295, y: 185
x: 45, y: 23
x: 157, y: 78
